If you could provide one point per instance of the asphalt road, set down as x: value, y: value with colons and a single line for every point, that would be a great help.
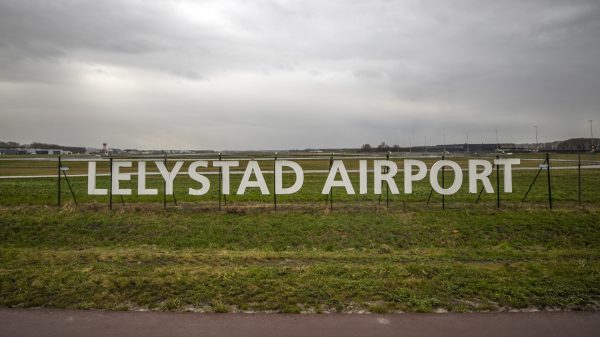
x: 64, y: 323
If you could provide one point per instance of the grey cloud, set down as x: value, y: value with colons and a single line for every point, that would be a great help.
x: 367, y: 73
x: 296, y: 74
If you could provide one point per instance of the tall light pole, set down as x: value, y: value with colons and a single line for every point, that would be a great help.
x: 444, y: 142
x: 537, y: 146
x: 497, y: 142
x: 467, y: 142
x: 591, y: 132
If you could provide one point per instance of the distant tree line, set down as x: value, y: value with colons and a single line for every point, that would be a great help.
x: 36, y: 145
x: 578, y: 144
x: 573, y: 144
x: 9, y: 144
x: 383, y: 147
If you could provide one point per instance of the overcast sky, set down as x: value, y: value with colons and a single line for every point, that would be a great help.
x: 297, y: 74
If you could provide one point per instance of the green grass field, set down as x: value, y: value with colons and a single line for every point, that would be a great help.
x: 359, y: 257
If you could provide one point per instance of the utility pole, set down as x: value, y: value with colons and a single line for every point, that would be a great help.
x: 467, y: 142
x: 537, y: 146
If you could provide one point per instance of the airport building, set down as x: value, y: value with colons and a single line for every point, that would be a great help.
x: 24, y: 151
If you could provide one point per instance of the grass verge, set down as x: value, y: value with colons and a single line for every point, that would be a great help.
x: 300, y: 261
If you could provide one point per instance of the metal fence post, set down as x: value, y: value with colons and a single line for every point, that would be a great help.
x: 579, y: 179
x: 110, y: 186
x: 497, y: 183
x: 443, y: 182
x: 387, y: 186
x: 173, y: 191
x: 274, y: 182
x: 225, y: 195
x: 549, y: 184
x: 220, y: 181
x: 58, y: 181
x: 379, y: 195
x: 331, y: 190
x: 165, y: 183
